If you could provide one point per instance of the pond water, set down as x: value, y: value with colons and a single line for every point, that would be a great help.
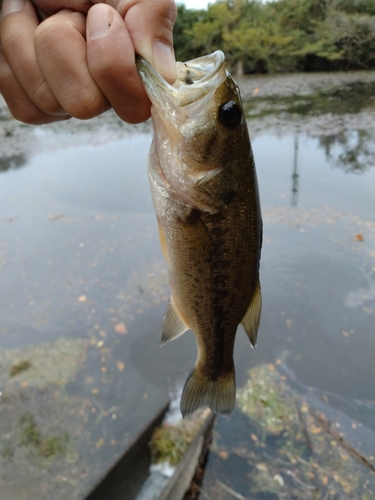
x: 84, y: 285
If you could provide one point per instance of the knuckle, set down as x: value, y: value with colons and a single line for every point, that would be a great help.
x: 44, y: 99
x: 85, y: 104
x: 28, y: 114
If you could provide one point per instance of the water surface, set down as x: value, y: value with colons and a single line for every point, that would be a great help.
x: 84, y: 284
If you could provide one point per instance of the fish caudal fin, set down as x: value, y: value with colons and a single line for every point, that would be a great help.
x: 219, y: 395
x: 173, y: 325
x: 251, y: 320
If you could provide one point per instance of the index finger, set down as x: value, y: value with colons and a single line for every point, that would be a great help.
x: 111, y: 61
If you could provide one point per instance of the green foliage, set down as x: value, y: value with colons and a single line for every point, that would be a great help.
x: 186, y: 18
x: 283, y: 35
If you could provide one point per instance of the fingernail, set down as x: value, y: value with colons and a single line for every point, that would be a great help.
x: 10, y: 6
x: 164, y: 61
x: 99, y: 21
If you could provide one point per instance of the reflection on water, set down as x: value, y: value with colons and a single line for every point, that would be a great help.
x: 351, y: 150
x: 12, y: 162
x: 84, y: 289
x: 350, y: 98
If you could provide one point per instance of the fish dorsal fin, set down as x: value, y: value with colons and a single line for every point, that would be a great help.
x: 173, y: 325
x: 251, y: 320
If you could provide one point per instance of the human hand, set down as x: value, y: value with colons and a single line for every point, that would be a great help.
x: 63, y: 58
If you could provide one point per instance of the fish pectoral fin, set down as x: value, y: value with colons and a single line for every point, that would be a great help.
x: 173, y: 325
x: 219, y: 395
x: 216, y: 189
x: 251, y: 320
x: 195, y: 232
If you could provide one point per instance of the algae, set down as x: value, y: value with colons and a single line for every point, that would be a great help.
x: 170, y: 442
x: 19, y: 368
x: 286, y: 449
x: 44, y: 444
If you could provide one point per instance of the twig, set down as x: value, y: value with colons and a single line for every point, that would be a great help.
x: 230, y: 491
x: 327, y: 426
x: 304, y: 426
x: 299, y: 481
x: 202, y: 492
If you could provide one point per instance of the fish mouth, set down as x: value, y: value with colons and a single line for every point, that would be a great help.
x: 195, y: 80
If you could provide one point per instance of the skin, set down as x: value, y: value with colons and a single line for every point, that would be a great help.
x: 64, y: 58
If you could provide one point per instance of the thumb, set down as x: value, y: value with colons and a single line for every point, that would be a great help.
x: 150, y: 25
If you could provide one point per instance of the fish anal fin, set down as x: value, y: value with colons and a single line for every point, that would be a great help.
x: 173, y: 325
x: 219, y: 395
x: 251, y: 320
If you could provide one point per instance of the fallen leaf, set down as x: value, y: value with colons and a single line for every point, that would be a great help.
x: 315, y: 430
x: 304, y: 407
x: 254, y: 437
x: 121, y: 328
x: 100, y: 443
x: 262, y: 467
x: 53, y: 217
x: 82, y: 298
x: 359, y: 237
x: 120, y: 366
x: 279, y: 479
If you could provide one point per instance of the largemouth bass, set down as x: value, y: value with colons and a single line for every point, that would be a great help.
x: 205, y: 193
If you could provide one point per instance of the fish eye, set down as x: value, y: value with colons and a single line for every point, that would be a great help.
x: 230, y: 114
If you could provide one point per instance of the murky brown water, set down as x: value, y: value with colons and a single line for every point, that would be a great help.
x: 84, y: 286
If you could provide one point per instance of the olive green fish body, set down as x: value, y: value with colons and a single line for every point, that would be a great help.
x: 205, y: 194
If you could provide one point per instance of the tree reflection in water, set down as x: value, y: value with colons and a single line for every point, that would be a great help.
x: 12, y: 162
x: 351, y: 150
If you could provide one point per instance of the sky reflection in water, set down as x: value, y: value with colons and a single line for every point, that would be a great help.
x: 81, y: 260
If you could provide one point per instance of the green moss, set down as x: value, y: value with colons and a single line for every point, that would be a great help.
x: 30, y: 434
x: 46, y: 446
x: 53, y: 446
x: 170, y: 442
x: 7, y: 450
x: 266, y: 401
x: 19, y: 368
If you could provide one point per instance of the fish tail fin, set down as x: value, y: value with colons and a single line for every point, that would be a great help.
x: 199, y: 390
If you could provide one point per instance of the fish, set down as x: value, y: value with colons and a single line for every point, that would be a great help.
x: 205, y: 194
